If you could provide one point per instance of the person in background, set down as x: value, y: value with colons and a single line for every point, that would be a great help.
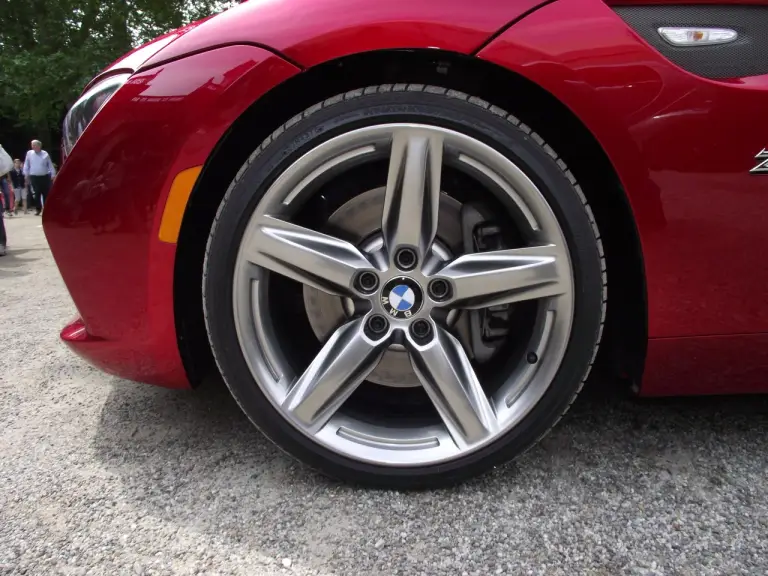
x: 8, y: 197
x: 3, y: 239
x: 19, y: 186
x: 5, y: 184
x: 39, y: 173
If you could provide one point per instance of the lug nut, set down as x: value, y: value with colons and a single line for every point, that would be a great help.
x: 405, y: 258
x: 367, y: 282
x: 421, y: 329
x: 377, y: 324
x: 439, y: 289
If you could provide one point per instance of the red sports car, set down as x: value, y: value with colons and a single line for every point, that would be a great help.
x: 405, y: 231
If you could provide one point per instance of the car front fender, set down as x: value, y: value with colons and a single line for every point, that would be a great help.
x: 310, y: 32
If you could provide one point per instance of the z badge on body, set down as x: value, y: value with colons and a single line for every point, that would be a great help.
x: 762, y: 167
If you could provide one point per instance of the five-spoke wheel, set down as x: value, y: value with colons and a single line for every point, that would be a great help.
x: 397, y: 297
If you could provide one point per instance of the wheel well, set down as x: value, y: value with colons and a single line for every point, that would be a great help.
x: 624, y: 344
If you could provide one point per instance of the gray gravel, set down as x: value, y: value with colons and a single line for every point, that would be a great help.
x: 103, y: 476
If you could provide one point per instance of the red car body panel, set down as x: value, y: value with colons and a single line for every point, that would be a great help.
x: 685, y: 2
x: 104, y: 211
x: 682, y: 146
x: 309, y: 32
x: 736, y: 364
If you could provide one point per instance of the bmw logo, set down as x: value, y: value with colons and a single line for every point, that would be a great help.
x: 401, y: 297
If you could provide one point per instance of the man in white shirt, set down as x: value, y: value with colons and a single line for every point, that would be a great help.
x: 39, y: 172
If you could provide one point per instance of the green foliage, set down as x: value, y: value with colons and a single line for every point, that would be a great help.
x: 49, y: 49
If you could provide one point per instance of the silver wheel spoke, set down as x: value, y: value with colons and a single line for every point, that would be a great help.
x: 445, y: 372
x: 413, y: 191
x: 338, y: 369
x: 310, y: 257
x: 505, y: 276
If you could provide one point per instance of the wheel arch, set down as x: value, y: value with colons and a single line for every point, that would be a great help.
x: 624, y: 344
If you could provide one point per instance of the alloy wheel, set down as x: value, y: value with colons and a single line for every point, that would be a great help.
x: 401, y: 289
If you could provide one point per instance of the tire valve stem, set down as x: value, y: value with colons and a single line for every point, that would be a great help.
x: 532, y: 358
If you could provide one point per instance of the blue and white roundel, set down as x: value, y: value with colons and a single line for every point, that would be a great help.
x: 402, y: 298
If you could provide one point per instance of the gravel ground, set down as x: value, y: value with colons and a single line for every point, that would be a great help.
x: 103, y: 476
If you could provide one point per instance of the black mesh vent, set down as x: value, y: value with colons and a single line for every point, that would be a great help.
x: 747, y: 56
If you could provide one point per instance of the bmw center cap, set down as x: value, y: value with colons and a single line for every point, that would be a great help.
x: 401, y: 297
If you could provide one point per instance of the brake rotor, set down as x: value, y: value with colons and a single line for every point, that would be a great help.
x: 360, y: 220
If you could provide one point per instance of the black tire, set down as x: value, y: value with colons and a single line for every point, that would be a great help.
x: 450, y: 109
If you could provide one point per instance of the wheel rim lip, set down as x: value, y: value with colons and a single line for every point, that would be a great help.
x: 357, y: 439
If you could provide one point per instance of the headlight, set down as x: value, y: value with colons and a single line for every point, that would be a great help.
x: 85, y: 109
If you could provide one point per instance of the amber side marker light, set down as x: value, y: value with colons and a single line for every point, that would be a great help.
x: 176, y: 203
